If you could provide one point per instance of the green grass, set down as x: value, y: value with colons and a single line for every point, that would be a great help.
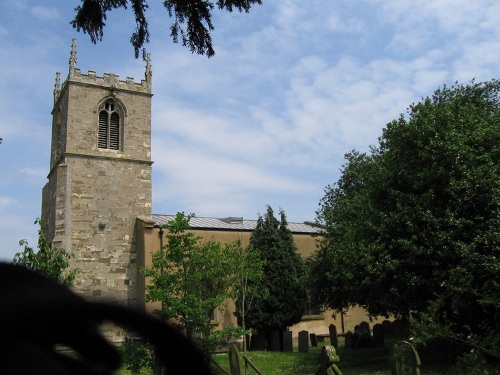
x: 352, y: 362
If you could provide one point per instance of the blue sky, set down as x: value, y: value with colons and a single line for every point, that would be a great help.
x: 291, y: 89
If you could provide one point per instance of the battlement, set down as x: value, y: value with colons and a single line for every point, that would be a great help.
x: 109, y: 80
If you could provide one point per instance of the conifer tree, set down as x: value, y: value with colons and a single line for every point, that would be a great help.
x: 283, y: 304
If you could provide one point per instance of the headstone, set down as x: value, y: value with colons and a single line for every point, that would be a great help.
x: 364, y: 328
x: 348, y: 340
x: 328, y: 360
x: 287, y: 341
x: 303, y: 342
x: 234, y: 360
x: 404, y: 359
x: 312, y: 336
x: 357, y: 329
x: 362, y: 336
x: 363, y: 341
x: 258, y: 341
x: 378, y: 336
x: 334, y: 338
x: 274, y: 341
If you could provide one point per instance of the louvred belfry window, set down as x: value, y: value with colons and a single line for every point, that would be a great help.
x: 109, y: 127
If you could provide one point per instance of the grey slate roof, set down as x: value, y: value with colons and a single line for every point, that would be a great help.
x: 232, y: 223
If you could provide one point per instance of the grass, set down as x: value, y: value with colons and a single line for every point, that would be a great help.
x: 352, y: 362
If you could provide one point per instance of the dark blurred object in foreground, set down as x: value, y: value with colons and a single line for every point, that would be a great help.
x: 37, y: 314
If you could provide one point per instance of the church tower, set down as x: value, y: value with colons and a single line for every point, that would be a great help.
x: 100, y: 177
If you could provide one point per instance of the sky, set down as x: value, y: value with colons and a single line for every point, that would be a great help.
x: 267, y: 120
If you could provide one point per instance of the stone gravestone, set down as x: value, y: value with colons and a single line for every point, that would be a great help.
x: 364, y: 336
x: 334, y: 339
x: 364, y: 328
x: 404, y: 359
x: 348, y: 340
x: 378, y: 336
x: 287, y: 341
x: 328, y: 360
x: 303, y: 342
x: 234, y: 360
x: 314, y: 342
x: 258, y: 341
x: 274, y: 341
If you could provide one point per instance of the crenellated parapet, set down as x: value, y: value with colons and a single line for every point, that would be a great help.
x: 110, y: 80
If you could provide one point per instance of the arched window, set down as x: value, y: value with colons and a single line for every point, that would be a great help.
x: 109, y: 126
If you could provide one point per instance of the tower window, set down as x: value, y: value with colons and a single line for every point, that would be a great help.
x: 109, y: 127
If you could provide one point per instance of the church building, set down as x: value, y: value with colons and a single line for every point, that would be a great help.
x: 97, y: 201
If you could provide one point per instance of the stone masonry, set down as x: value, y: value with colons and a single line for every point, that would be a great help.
x: 93, y: 194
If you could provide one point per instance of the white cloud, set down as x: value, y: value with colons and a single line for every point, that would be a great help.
x: 353, y: 25
x: 6, y: 202
x: 45, y: 13
x: 267, y: 120
x: 33, y: 172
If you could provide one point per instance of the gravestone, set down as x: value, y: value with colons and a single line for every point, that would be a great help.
x: 362, y: 337
x: 274, y: 341
x: 334, y: 338
x: 258, y: 341
x: 378, y: 336
x: 364, y: 328
x: 348, y: 340
x: 234, y: 360
x: 287, y: 341
x: 314, y: 342
x: 328, y: 360
x: 357, y: 329
x: 303, y: 342
x: 404, y: 359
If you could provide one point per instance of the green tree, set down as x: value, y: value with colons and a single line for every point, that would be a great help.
x: 49, y: 260
x: 192, y: 20
x: 191, y: 279
x: 413, y: 228
x: 249, y: 274
x: 283, y: 304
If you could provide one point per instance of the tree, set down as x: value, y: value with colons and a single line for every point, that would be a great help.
x: 191, y: 279
x: 50, y: 260
x: 192, y: 20
x: 413, y: 228
x: 249, y: 274
x: 283, y: 304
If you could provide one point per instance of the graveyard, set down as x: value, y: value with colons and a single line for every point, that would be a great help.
x: 381, y: 349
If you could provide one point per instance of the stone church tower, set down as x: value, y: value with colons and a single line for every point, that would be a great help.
x: 100, y: 177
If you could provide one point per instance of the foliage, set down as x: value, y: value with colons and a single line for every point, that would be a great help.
x: 283, y: 304
x: 137, y: 355
x: 413, y: 227
x: 472, y: 363
x: 49, y: 260
x: 249, y: 274
x: 191, y: 279
x: 192, y: 20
